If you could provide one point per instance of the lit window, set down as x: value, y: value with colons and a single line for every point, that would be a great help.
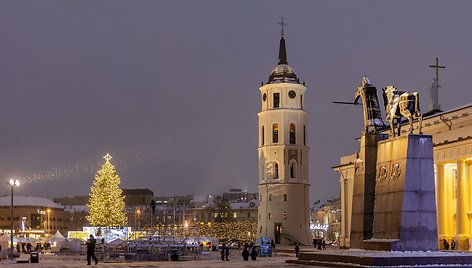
x: 275, y: 133
x: 292, y: 135
x: 235, y: 214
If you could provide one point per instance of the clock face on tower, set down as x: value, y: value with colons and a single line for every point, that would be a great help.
x: 292, y: 94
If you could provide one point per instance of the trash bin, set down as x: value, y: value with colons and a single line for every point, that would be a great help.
x: 34, y: 257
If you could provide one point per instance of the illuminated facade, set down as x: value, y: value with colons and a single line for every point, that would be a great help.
x: 326, y: 220
x: 452, y: 140
x: 284, y: 211
x: 33, y: 216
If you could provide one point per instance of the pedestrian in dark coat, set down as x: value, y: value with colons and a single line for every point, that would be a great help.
x: 223, y: 250
x: 297, y: 250
x: 254, y: 253
x: 445, y: 244
x: 91, y: 242
x: 245, y: 254
x: 227, y: 253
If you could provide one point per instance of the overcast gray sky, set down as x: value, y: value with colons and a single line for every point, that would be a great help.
x: 170, y: 88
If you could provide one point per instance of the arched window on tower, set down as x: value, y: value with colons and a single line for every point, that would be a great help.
x: 275, y: 133
x: 276, y: 170
x: 293, y: 168
x: 262, y: 135
x: 292, y: 135
x: 304, y: 135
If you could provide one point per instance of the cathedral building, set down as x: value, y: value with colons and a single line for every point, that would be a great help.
x: 284, y: 212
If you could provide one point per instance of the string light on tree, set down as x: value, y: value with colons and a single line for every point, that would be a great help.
x: 106, y: 203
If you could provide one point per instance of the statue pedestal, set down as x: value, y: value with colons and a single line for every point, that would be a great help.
x: 405, y: 208
x: 364, y: 190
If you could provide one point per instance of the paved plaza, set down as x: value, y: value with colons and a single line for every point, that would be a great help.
x: 211, y: 260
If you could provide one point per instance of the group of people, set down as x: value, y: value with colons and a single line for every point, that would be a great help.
x: 245, y: 253
x: 224, y: 252
x: 319, y: 243
x: 254, y: 253
x: 446, y: 244
x: 27, y: 247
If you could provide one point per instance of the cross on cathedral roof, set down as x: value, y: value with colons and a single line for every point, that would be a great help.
x: 437, y: 67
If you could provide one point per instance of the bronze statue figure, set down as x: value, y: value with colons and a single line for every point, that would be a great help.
x: 372, y: 114
x: 400, y: 104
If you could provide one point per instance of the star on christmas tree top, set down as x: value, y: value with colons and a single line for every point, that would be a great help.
x: 107, y: 157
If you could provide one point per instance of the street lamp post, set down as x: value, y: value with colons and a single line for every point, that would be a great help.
x: 136, y: 219
x: 12, y: 184
x: 49, y: 212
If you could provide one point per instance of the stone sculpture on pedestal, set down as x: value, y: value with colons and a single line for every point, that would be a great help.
x: 400, y: 104
x: 393, y: 205
x: 364, y: 176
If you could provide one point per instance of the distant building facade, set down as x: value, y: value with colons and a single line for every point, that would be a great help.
x: 33, y: 216
x: 326, y: 220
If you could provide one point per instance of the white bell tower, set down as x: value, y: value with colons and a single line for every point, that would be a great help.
x: 284, y: 211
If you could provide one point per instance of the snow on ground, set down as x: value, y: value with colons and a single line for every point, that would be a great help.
x: 213, y: 260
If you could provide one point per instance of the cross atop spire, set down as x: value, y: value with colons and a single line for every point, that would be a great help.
x: 282, y: 24
x: 282, y: 50
x: 437, y: 67
x: 107, y: 157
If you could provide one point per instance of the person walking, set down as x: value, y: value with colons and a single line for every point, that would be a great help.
x: 227, y: 253
x: 297, y: 250
x: 91, y: 242
x: 324, y: 244
x: 445, y: 244
x: 245, y: 254
x: 254, y: 253
x: 223, y: 250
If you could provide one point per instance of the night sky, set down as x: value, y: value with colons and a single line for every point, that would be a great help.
x: 171, y: 88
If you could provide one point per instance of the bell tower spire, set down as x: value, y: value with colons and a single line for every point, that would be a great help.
x: 283, y: 153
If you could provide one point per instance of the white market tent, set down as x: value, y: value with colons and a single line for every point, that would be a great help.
x: 57, y: 237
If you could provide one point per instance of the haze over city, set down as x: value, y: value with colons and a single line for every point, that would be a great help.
x: 170, y: 88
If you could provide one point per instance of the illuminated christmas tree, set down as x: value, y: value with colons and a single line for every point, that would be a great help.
x: 106, y: 203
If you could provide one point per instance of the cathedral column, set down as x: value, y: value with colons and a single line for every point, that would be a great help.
x: 440, y: 205
x: 462, y: 207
